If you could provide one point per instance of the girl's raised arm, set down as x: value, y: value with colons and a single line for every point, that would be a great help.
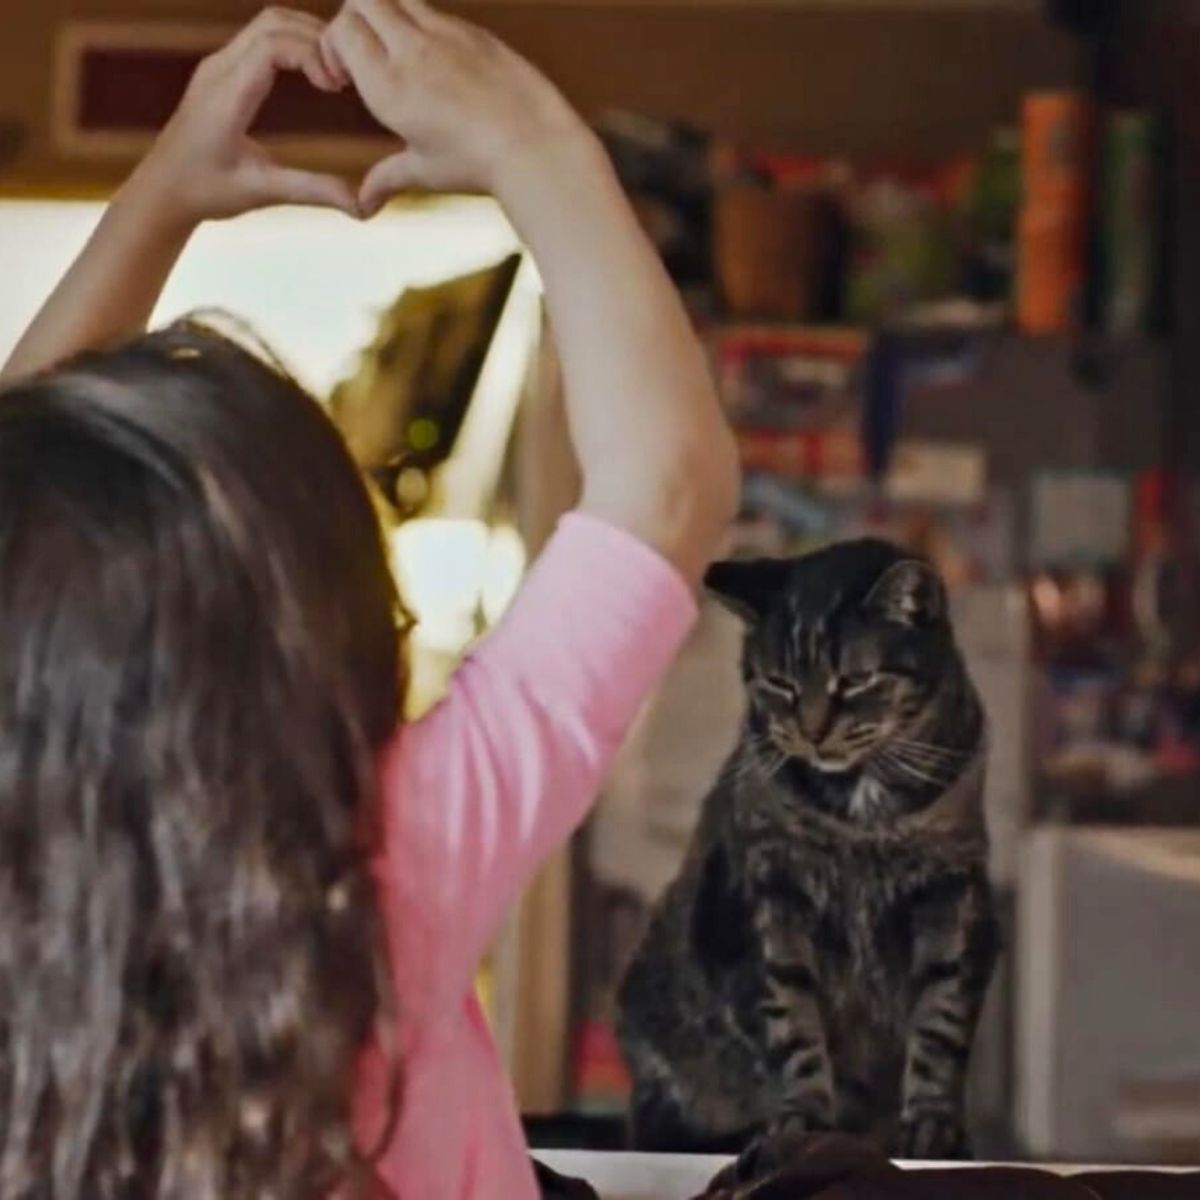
x: 202, y: 166
x: 481, y: 790
x: 657, y: 457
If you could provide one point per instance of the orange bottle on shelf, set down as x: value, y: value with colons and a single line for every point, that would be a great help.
x: 1056, y: 146
x: 1050, y: 272
x: 1056, y: 133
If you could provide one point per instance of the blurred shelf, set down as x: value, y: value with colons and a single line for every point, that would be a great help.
x: 1026, y: 400
x: 833, y: 6
x: 1117, y: 345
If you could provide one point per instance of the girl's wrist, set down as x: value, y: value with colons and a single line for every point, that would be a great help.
x: 154, y: 200
x: 530, y: 171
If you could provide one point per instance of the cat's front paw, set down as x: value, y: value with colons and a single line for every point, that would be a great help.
x: 778, y: 1146
x: 933, y: 1135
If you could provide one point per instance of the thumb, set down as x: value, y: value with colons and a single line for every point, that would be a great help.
x: 274, y: 184
x: 398, y: 173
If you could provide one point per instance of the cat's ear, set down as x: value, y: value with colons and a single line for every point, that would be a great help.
x: 908, y: 593
x: 748, y: 587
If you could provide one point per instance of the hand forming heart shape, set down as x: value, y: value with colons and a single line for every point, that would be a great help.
x: 464, y: 108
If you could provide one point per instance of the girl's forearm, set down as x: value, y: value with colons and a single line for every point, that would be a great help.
x: 204, y: 165
x: 655, y: 451
x: 111, y: 289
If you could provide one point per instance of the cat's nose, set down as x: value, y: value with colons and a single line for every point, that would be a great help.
x: 814, y: 714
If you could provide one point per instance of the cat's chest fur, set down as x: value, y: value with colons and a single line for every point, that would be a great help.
x: 861, y: 891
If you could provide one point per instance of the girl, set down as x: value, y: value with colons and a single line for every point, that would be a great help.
x: 240, y: 911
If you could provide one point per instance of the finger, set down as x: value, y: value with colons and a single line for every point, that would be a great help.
x: 278, y: 24
x: 318, y: 72
x: 311, y: 62
x: 274, y: 184
x: 389, y: 23
x: 395, y: 174
x: 333, y: 62
x: 423, y: 15
x: 355, y: 45
x: 258, y: 68
x: 370, y: 66
x: 276, y: 18
x: 308, y: 57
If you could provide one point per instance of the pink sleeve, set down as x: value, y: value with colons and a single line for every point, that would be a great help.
x: 481, y: 790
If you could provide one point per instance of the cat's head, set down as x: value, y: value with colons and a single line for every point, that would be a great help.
x: 846, y: 649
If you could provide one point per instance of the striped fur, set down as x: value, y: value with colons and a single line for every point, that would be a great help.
x: 821, y: 959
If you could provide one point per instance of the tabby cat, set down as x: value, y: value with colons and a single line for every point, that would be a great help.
x: 820, y: 961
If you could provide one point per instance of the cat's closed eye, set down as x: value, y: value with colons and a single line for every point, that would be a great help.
x: 850, y: 686
x: 779, y: 686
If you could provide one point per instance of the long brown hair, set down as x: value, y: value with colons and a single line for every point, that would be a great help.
x: 199, y: 662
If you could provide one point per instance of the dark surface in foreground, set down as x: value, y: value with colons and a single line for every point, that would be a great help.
x: 832, y: 1167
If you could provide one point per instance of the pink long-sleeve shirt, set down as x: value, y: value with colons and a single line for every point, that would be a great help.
x: 475, y: 796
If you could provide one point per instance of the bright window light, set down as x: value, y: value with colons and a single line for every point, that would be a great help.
x: 311, y: 283
x: 503, y: 571
x: 441, y: 565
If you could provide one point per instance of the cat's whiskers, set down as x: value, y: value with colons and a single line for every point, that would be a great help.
x: 763, y: 760
x: 945, y: 767
x: 776, y: 765
x: 930, y: 751
x: 914, y: 770
x: 952, y: 759
x: 933, y: 762
x: 913, y: 774
x: 741, y: 769
x: 756, y: 742
x: 943, y: 774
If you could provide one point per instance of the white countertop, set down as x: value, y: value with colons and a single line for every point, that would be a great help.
x: 622, y: 1176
